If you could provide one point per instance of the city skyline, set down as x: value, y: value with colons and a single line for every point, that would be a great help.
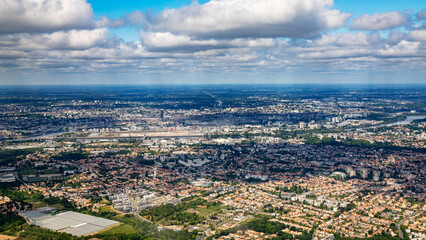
x: 224, y: 41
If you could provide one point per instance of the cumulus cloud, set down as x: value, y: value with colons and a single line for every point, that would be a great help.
x: 402, y: 49
x: 418, y: 35
x: 159, y: 41
x: 74, y: 39
x: 246, y: 18
x: 380, y: 21
x: 336, y: 53
x: 166, y: 41
x: 219, y: 36
x: 44, y: 15
x: 421, y: 15
x: 338, y: 46
x: 112, y: 23
x: 349, y: 39
x: 397, y: 36
x: 137, y: 18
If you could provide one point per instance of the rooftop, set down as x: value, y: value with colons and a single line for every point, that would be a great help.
x: 74, y: 223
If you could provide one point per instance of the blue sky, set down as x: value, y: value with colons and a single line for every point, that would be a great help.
x: 220, y: 41
x: 114, y: 8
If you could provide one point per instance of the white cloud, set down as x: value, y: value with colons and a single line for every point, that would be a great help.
x: 165, y: 41
x: 348, y: 39
x: 402, y: 49
x: 334, y: 53
x: 380, y: 21
x: 169, y: 41
x: 74, y: 39
x: 112, y: 23
x: 137, y: 17
x: 219, y: 36
x: 418, y: 35
x: 255, y: 43
x: 44, y: 15
x: 11, y: 54
x: 338, y: 53
x: 247, y: 18
x: 397, y: 36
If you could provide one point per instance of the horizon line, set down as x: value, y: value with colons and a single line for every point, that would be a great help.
x: 212, y: 84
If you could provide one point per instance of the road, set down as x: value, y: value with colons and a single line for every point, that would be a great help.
x: 401, y: 234
x: 141, y: 218
x: 19, y: 179
x: 135, y: 209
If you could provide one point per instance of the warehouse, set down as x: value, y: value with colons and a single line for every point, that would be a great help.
x: 74, y: 223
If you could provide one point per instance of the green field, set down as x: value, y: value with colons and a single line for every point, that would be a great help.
x: 58, y: 206
x: 37, y: 205
x: 123, y: 228
x: 207, y: 211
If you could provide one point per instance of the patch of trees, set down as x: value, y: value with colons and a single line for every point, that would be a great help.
x: 37, y: 233
x: 348, y: 207
x: 21, y: 196
x: 187, y: 218
x: 10, y: 221
x: 63, y: 201
x: 177, y: 212
x: 310, y: 139
x: 263, y: 225
x: 120, y: 236
x: 8, y: 156
x: 147, y: 230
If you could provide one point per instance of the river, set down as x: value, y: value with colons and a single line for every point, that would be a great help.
x: 407, y: 121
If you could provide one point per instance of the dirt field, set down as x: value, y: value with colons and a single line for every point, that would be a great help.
x: 5, y: 237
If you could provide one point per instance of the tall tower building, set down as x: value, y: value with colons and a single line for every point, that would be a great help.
x: 162, y: 115
x: 364, y: 173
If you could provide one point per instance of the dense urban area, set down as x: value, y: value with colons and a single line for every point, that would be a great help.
x: 223, y: 162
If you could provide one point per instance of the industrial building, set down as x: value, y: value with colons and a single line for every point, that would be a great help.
x: 74, y: 223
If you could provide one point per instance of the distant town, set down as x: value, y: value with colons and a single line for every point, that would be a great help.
x: 229, y: 162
